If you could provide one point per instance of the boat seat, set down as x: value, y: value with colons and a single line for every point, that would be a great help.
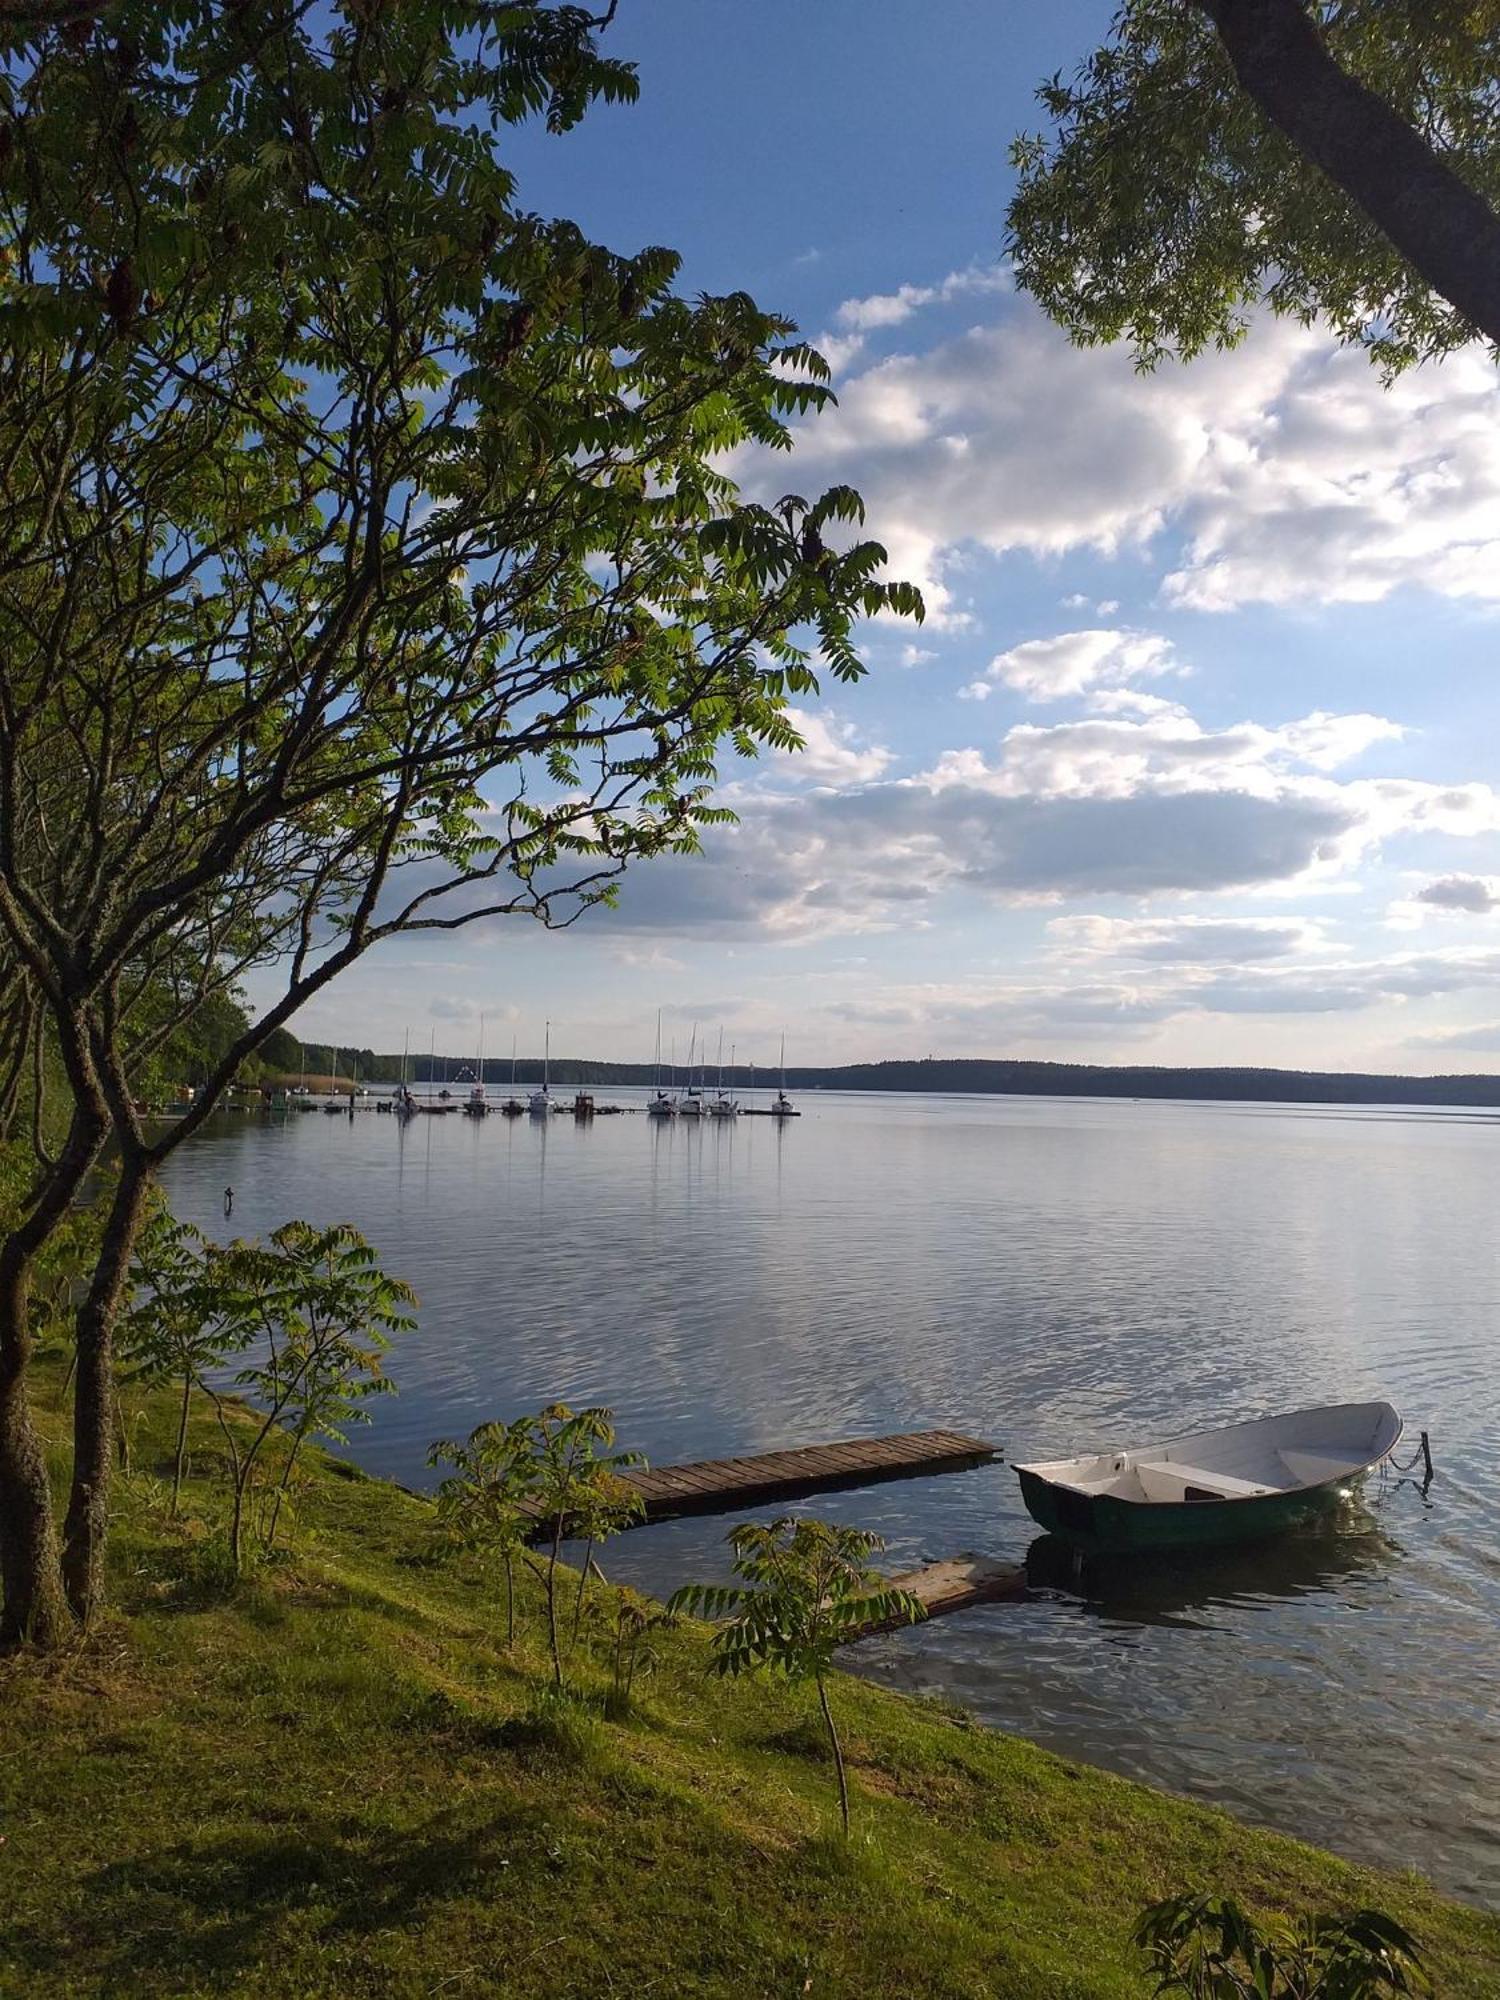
x: 1222, y: 1485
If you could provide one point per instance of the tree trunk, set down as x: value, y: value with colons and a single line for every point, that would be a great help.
x: 838, y: 1756
x: 1444, y: 229
x: 35, y: 1606
x: 94, y: 1397
x: 180, y: 1463
x: 557, y: 1673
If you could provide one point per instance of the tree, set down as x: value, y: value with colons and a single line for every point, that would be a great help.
x: 1173, y: 192
x: 487, y: 1504
x: 579, y: 1491
x: 367, y: 565
x: 323, y: 1315
x: 805, y: 1587
x: 181, y: 1325
x: 1209, y: 1949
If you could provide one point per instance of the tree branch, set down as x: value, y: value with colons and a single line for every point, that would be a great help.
x: 1446, y: 231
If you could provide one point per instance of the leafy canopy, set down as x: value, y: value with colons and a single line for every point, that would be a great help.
x: 804, y: 1587
x: 1161, y: 205
x: 367, y: 556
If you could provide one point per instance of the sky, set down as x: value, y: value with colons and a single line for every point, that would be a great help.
x: 1194, y: 758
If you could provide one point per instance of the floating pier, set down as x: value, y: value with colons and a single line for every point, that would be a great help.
x: 952, y: 1585
x: 721, y: 1485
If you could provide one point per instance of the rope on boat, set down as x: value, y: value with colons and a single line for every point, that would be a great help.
x: 1421, y: 1456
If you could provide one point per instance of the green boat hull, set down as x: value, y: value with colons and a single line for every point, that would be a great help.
x: 1101, y: 1523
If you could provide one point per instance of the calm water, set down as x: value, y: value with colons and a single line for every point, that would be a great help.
x: 1052, y: 1274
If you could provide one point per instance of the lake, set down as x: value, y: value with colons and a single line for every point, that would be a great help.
x: 1055, y: 1274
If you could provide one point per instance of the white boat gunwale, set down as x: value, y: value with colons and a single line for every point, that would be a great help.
x: 1110, y: 1472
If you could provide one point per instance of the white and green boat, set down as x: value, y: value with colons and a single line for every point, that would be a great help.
x: 1238, y: 1484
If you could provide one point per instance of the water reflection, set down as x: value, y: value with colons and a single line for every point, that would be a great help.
x: 1198, y: 1587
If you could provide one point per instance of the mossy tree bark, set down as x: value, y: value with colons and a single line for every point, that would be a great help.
x: 94, y: 1395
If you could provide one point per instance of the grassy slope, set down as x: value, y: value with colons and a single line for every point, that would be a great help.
x: 328, y: 1785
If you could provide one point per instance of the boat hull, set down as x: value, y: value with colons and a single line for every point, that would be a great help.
x: 1099, y: 1523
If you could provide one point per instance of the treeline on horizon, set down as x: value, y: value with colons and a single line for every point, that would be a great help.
x: 972, y: 1076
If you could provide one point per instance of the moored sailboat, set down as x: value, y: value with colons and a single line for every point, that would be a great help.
x: 724, y: 1105
x: 660, y: 1105
x: 690, y: 1104
x: 539, y: 1104
x: 781, y: 1105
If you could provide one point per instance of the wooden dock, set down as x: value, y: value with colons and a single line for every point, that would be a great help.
x: 722, y: 1485
x: 953, y: 1585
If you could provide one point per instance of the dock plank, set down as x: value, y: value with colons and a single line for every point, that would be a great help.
x: 951, y: 1585
x: 721, y: 1485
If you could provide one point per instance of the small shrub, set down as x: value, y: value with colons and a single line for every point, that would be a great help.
x: 805, y: 1587
x: 1208, y: 1948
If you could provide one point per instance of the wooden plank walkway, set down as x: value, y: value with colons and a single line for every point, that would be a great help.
x: 952, y: 1585
x: 722, y: 1485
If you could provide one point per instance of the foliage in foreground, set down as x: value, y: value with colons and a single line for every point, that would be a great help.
x: 311, y: 1312
x: 1209, y: 1949
x: 1178, y: 187
x: 369, y: 562
x: 336, y: 1783
x: 805, y: 1586
x: 554, y: 1470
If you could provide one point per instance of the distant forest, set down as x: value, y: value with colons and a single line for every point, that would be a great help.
x: 958, y: 1076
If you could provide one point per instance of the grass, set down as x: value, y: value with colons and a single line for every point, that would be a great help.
x: 334, y: 1780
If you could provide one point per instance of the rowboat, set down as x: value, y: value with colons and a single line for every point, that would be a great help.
x: 1232, y: 1485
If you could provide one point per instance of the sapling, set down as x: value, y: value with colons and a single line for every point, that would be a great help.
x: 805, y: 1587
x: 486, y: 1504
x: 580, y: 1489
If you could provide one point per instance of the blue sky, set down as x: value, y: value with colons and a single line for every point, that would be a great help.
x: 1194, y: 760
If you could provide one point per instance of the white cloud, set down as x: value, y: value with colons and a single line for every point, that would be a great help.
x: 1289, y: 472
x: 857, y: 319
x: 916, y: 656
x: 1110, y: 756
x: 831, y: 752
x: 1070, y: 663
x: 1156, y: 806
x: 1188, y: 940
x: 883, y: 309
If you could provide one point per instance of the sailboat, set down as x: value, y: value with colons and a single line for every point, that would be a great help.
x: 691, y: 1104
x: 406, y: 1104
x: 478, y: 1105
x: 724, y: 1106
x: 781, y: 1104
x: 661, y: 1105
x: 540, y: 1101
x: 512, y: 1107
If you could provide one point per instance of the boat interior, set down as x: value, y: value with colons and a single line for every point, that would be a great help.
x: 1245, y: 1462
